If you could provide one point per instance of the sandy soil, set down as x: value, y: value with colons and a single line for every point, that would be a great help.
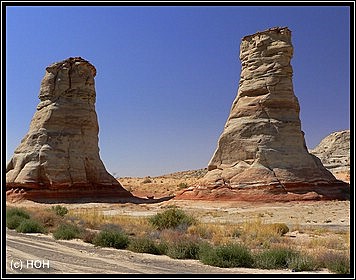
x: 306, y: 214
x: 75, y: 256
x: 41, y: 254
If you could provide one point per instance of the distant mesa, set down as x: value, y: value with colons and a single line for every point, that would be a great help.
x: 58, y: 159
x: 334, y: 153
x: 261, y: 154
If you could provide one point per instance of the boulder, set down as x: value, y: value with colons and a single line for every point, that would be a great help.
x: 261, y: 154
x: 58, y: 159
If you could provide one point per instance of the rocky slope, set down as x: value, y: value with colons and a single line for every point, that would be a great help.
x: 334, y: 153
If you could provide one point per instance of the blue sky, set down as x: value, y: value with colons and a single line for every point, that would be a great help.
x: 167, y: 76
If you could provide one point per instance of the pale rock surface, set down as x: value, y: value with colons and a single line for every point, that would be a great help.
x: 59, y: 156
x: 262, y: 148
x: 334, y: 153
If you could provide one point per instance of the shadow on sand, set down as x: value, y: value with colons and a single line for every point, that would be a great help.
x: 132, y: 199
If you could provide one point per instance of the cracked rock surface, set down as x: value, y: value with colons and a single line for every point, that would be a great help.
x: 262, y: 144
x: 59, y: 156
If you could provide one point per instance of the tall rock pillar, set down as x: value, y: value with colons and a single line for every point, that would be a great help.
x: 59, y: 156
x: 261, y: 153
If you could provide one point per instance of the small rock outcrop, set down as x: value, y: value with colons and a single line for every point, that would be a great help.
x: 261, y: 154
x: 58, y: 159
x: 334, y: 153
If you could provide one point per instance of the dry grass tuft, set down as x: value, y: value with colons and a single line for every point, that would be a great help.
x: 256, y: 234
x: 95, y: 219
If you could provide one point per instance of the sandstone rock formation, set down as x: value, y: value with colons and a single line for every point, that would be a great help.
x: 261, y: 154
x: 334, y: 153
x: 59, y: 158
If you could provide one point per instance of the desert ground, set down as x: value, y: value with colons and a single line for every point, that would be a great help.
x: 76, y: 256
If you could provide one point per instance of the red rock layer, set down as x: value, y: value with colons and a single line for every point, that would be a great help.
x: 272, y: 193
x: 89, y: 193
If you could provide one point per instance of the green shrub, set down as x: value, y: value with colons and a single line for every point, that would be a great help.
x: 230, y: 255
x: 183, y: 249
x: 60, y: 210
x: 275, y: 258
x: 17, y: 212
x: 335, y: 262
x: 30, y: 226
x: 172, y: 218
x: 144, y: 245
x: 340, y: 265
x: 182, y: 186
x: 162, y: 247
x: 15, y: 216
x: 13, y: 222
x: 111, y: 238
x: 302, y: 263
x: 67, y: 232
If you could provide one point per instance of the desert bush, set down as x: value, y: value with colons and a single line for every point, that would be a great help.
x: 218, y: 234
x: 182, y: 186
x: 205, y: 231
x: 202, y: 230
x: 275, y: 258
x: 67, y: 231
x: 95, y: 219
x: 301, y: 262
x: 30, y: 226
x: 336, y: 262
x: 14, y: 217
x: 281, y: 258
x: 279, y: 228
x: 147, y: 180
x: 111, y: 238
x: 111, y: 227
x: 88, y: 236
x: 172, y: 218
x: 329, y: 242
x: 162, y: 247
x: 229, y: 255
x: 170, y: 235
x: 13, y: 222
x: 144, y: 245
x: 47, y: 218
x: 256, y: 234
x: 60, y: 210
x: 183, y: 249
x: 10, y: 212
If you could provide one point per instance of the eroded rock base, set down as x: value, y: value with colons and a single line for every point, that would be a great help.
x: 270, y: 193
x: 78, y: 194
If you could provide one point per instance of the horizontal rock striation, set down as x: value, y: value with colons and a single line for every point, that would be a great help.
x: 59, y: 156
x: 261, y: 153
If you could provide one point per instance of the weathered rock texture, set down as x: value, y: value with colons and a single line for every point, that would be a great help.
x: 334, y: 153
x: 59, y: 158
x: 261, y: 154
